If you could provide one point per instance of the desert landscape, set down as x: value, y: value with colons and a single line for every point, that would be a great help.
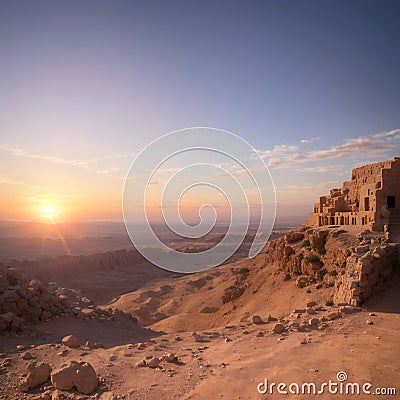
x: 199, y: 200
x: 318, y: 301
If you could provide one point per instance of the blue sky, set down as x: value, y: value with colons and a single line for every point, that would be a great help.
x: 85, y: 85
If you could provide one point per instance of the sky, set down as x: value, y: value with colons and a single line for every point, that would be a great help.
x: 313, y: 86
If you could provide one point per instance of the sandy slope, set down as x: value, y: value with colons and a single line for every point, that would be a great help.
x: 195, y: 301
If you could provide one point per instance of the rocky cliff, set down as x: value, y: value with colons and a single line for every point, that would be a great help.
x: 355, y: 264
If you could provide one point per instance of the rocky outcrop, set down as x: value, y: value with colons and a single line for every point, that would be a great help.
x: 24, y: 301
x: 355, y: 266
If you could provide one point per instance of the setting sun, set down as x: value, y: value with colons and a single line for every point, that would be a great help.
x: 49, y: 211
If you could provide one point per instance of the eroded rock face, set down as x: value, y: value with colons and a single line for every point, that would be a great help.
x: 354, y: 266
x: 318, y: 238
x: 36, y: 375
x: 294, y: 237
x: 82, y: 376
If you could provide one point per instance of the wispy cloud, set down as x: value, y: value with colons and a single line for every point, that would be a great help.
x: 373, y: 146
x: 91, y: 164
x: 320, y: 169
x: 16, y: 182
x: 310, y: 140
x: 394, y: 134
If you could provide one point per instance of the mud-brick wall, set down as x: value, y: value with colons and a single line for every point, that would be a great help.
x: 368, y: 271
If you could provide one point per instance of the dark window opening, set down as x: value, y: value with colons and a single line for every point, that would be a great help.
x: 391, y: 201
x: 366, y: 203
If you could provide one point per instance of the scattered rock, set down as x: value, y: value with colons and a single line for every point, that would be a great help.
x: 154, y: 362
x: 107, y: 396
x: 304, y: 280
x: 74, y: 374
x: 370, y: 322
x: 140, y: 364
x: 196, y: 337
x: 37, y: 374
x: 313, y: 322
x: 170, y: 357
x: 90, y: 345
x: 71, y: 341
x: 333, y: 315
x: 256, y: 319
x: 27, y: 356
x: 278, y: 328
x: 311, y: 304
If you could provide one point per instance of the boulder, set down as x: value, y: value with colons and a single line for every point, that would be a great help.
x: 153, y: 363
x: 36, y: 375
x: 81, y: 375
x: 71, y: 341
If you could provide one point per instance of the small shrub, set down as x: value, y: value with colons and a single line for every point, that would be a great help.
x: 343, y: 272
x: 318, y: 286
x: 344, y: 265
x: 312, y: 258
x: 330, y: 284
x: 333, y: 272
x: 329, y: 303
x: 321, y: 273
x: 306, y: 243
x: 322, y: 251
x: 308, y: 290
x: 243, y: 270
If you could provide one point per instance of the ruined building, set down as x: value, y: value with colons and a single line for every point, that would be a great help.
x: 370, y: 199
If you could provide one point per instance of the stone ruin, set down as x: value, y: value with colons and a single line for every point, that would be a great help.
x: 371, y: 200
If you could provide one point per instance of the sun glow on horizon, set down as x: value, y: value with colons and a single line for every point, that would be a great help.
x: 49, y: 211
